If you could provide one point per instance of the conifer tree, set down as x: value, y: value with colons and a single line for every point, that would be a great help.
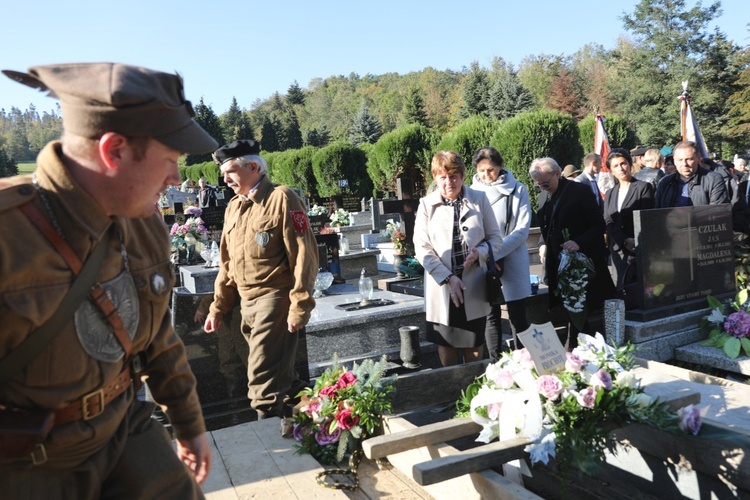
x: 270, y: 132
x: 413, y: 111
x: 295, y: 95
x: 365, y: 128
x: 208, y: 120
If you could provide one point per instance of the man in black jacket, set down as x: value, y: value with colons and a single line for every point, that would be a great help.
x: 691, y: 184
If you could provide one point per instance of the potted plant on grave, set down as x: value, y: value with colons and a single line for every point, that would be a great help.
x: 400, y: 247
x: 340, y: 218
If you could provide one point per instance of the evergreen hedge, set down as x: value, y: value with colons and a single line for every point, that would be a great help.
x: 537, y: 134
x: 339, y: 161
x: 406, y: 151
x: 294, y: 168
x: 466, y: 137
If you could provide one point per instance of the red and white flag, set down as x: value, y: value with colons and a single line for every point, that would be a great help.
x: 601, y: 141
x: 688, y: 124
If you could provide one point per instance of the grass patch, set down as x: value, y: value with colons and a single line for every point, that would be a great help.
x: 26, y: 167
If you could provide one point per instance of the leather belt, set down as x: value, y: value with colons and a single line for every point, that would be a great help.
x: 92, y: 404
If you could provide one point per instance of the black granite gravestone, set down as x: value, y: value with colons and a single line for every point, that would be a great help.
x: 318, y: 222
x: 213, y: 217
x: 683, y: 255
x: 407, y: 209
x: 331, y: 241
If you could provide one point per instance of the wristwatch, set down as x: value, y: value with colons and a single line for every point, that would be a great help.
x: 446, y: 280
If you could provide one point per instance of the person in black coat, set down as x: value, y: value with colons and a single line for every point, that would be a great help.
x: 628, y: 195
x: 206, y: 195
x: 568, y: 207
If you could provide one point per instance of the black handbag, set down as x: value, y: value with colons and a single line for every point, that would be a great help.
x: 494, y: 283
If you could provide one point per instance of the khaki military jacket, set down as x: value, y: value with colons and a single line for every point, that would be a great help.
x: 267, y: 244
x: 34, y: 278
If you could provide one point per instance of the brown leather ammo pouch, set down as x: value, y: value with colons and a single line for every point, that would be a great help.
x: 22, y: 433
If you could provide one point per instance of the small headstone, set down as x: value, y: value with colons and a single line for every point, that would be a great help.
x: 318, y: 222
x: 351, y: 203
x: 213, y: 217
x: 545, y: 348
x: 331, y: 242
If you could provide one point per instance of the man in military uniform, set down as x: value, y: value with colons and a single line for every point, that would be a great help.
x: 270, y: 258
x: 124, y: 129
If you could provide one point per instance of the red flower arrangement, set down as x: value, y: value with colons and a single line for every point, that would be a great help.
x: 343, y: 408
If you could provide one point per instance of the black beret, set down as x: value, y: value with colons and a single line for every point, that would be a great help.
x: 243, y: 147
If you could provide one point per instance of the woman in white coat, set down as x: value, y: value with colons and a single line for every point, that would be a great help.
x: 510, y: 204
x: 454, y: 225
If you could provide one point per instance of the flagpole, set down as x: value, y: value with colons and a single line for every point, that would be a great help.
x: 689, y: 125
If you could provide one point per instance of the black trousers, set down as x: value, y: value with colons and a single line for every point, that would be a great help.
x: 493, y: 330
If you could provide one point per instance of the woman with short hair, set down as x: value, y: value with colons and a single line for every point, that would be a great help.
x: 628, y: 195
x: 452, y: 231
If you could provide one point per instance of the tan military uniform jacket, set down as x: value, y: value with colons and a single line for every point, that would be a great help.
x: 33, y: 281
x: 267, y: 244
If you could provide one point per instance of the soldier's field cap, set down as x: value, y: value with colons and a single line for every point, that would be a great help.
x: 639, y: 151
x: 110, y: 97
x: 243, y: 147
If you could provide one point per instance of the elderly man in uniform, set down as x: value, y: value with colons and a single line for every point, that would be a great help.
x: 70, y: 424
x: 269, y: 257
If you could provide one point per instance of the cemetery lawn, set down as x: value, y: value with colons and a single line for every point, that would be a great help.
x: 26, y: 167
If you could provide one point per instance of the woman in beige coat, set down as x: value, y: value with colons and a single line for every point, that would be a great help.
x: 454, y: 225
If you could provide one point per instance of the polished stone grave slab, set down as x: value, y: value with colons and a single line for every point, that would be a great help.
x: 367, y: 333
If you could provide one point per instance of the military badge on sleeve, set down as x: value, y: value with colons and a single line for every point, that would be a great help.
x: 299, y: 219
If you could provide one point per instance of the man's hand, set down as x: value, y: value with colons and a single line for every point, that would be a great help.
x: 196, y: 454
x: 542, y: 253
x: 293, y: 327
x: 212, y: 324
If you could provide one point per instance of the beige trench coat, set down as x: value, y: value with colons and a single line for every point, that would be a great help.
x: 433, y: 240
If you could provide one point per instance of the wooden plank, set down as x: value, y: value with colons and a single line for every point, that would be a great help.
x: 473, y: 460
x: 431, y: 387
x: 439, y: 432
x: 475, y: 486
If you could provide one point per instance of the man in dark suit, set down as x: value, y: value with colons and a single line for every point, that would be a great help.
x: 592, y: 163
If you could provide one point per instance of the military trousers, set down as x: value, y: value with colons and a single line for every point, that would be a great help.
x: 272, y: 351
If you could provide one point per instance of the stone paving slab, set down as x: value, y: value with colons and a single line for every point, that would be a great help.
x: 714, y: 357
x: 253, y: 460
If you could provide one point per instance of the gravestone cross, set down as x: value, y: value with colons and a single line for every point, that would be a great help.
x: 690, y: 229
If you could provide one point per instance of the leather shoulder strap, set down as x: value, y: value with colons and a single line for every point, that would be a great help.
x: 42, y: 336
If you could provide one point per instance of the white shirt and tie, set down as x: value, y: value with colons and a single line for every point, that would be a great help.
x: 586, y: 178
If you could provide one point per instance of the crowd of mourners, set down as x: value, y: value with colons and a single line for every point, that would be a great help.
x: 588, y: 210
